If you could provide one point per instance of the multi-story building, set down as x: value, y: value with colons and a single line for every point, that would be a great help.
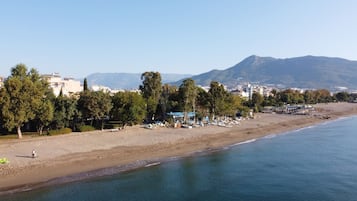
x: 247, y: 90
x: 69, y: 86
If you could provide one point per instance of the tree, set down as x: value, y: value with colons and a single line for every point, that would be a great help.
x: 309, y: 97
x: 65, y: 112
x: 257, y: 101
x: 20, y: 97
x: 217, y: 94
x: 188, y: 95
x: 85, y: 85
x: 43, y: 108
x: 202, y: 103
x: 167, y: 102
x: 95, y: 105
x: 151, y: 91
x: 233, y: 104
x: 44, y: 115
x: 323, y: 96
x: 342, y: 96
x: 128, y: 107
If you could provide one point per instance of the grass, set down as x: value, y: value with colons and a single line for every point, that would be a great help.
x: 8, y: 137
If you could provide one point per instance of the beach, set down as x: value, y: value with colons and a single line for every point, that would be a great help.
x: 81, y: 153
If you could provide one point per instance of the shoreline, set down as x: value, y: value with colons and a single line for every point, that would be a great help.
x: 140, y: 147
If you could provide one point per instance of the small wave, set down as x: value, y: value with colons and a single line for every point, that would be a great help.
x: 244, y: 142
x: 152, y: 164
x: 303, y: 128
x: 270, y: 136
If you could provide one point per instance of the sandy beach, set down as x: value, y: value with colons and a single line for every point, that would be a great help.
x: 61, y: 156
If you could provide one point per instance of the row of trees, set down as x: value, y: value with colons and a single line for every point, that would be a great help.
x: 27, y: 101
x: 161, y: 99
x: 289, y: 96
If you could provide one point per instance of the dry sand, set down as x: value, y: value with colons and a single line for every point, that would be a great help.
x: 60, y: 156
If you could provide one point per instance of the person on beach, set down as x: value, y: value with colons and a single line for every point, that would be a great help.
x: 34, y: 154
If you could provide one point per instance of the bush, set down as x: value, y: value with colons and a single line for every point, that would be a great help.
x: 86, y: 128
x: 60, y: 131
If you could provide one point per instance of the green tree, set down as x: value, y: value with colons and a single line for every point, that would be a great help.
x: 44, y: 115
x: 309, y: 97
x: 342, y: 96
x: 188, y: 95
x: 85, y: 85
x: 203, y: 104
x: 128, y: 107
x: 65, y: 112
x: 20, y: 97
x: 151, y: 91
x: 257, y: 101
x: 217, y: 95
x: 95, y: 105
x: 168, y: 101
x: 323, y: 96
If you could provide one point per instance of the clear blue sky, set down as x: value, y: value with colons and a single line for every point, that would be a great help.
x: 77, y: 38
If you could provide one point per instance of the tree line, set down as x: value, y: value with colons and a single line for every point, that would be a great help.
x: 291, y: 97
x: 27, y: 102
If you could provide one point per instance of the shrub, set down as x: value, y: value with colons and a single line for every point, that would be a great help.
x: 86, y: 128
x: 60, y: 131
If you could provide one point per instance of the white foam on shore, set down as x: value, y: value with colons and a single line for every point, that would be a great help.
x: 269, y: 136
x: 152, y: 164
x: 244, y: 142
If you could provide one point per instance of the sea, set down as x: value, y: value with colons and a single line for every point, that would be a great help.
x: 317, y: 163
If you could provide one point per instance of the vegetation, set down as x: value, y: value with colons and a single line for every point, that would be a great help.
x: 95, y: 106
x: 151, y: 91
x: 128, y: 108
x: 86, y: 128
x: 85, y: 84
x: 27, y: 102
x: 60, y: 131
x: 21, y: 96
x: 188, y: 95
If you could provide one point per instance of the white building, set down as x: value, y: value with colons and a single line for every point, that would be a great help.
x: 101, y: 88
x: 247, y: 90
x: 1, y: 81
x: 69, y: 86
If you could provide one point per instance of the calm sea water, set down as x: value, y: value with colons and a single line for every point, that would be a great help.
x: 317, y: 163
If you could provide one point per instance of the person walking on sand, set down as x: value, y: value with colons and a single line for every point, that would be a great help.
x: 34, y: 154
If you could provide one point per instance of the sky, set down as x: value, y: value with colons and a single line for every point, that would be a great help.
x: 78, y: 37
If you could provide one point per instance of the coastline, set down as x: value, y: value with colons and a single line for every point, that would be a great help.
x: 79, y: 156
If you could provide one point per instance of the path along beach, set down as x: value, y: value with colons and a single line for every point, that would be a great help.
x: 80, y: 153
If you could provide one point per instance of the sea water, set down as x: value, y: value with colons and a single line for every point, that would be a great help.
x: 316, y: 163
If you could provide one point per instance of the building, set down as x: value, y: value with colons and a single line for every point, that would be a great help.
x: 69, y: 86
x: 1, y: 81
x: 247, y: 90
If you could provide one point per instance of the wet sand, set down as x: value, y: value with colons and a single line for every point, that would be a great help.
x: 80, y: 155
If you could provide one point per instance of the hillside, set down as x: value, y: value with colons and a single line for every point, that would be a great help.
x: 304, y: 72
x: 127, y: 80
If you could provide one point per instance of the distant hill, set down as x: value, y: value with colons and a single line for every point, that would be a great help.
x: 127, y: 80
x: 303, y: 72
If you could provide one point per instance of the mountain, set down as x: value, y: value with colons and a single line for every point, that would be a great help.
x: 302, y: 72
x: 127, y: 80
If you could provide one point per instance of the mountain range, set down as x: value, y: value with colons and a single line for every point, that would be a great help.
x: 303, y: 72
x: 313, y: 72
